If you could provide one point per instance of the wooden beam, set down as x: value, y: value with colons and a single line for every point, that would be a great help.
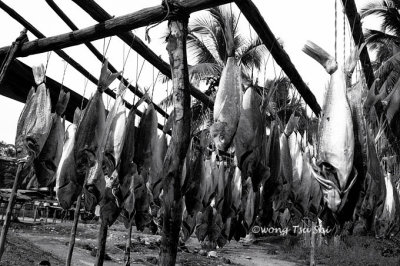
x: 101, y: 15
x: 358, y: 36
x: 253, y: 15
x: 11, y: 55
x: 62, y: 54
x: 99, y: 55
x: 177, y: 150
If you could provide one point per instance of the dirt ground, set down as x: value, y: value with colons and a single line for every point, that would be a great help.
x: 31, y: 243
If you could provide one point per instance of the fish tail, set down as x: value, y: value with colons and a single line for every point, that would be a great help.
x: 106, y: 77
x: 62, y: 102
x: 39, y: 74
x: 77, y: 116
x: 321, y: 56
x: 121, y: 89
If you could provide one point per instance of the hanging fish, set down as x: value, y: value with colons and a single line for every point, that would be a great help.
x: 250, y: 137
x: 227, y: 105
x: 114, y: 141
x: 47, y: 162
x: 157, y: 164
x: 147, y: 140
x: 336, y: 143
x: 89, y: 142
x: 34, y: 123
x: 68, y: 187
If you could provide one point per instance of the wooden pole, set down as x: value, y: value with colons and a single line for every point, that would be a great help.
x: 358, y: 36
x: 11, y: 55
x: 11, y: 201
x: 176, y: 153
x: 100, y: 56
x: 312, y: 251
x: 63, y: 55
x: 101, y: 245
x: 100, y: 15
x: 127, y: 257
x: 253, y: 15
x: 73, y: 230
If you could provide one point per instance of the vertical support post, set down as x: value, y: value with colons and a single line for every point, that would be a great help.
x: 127, y: 257
x: 101, y: 245
x: 73, y: 230
x: 176, y: 153
x: 312, y: 251
x: 11, y: 200
x: 11, y: 55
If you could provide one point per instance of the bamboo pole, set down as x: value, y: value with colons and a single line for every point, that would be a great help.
x: 176, y: 153
x: 74, y: 227
x: 127, y: 257
x: 11, y: 201
x: 100, y: 15
x: 11, y: 55
x: 63, y: 55
x: 99, y: 55
x: 253, y: 15
x: 101, y: 245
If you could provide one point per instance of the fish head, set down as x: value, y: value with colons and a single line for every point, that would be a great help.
x: 84, y: 160
x: 27, y: 148
x: 67, y: 194
x: 217, y: 131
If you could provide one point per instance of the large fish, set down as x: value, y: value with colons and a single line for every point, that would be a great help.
x: 89, y: 139
x: 34, y: 123
x: 157, y: 164
x: 227, y: 105
x: 68, y: 187
x: 146, y: 140
x: 249, y: 139
x: 336, y: 136
x: 114, y: 141
x: 46, y: 164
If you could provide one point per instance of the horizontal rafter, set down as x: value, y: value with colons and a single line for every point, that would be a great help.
x: 253, y: 15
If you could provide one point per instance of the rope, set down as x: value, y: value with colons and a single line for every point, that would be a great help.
x: 146, y: 35
x: 344, y: 37
x: 84, y: 92
x: 336, y: 30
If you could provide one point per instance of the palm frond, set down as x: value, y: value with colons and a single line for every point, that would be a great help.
x: 205, y: 70
x: 199, y: 49
x: 252, y: 54
x: 374, y: 8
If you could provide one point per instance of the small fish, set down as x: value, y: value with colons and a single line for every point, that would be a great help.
x: 47, y: 162
x: 227, y: 105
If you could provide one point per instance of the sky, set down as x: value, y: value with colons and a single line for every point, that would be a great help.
x: 292, y: 21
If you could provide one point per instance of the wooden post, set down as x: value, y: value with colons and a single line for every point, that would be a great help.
x: 127, y: 257
x: 10, y: 206
x: 312, y: 251
x: 73, y: 230
x: 11, y: 55
x: 174, y: 159
x: 101, y: 245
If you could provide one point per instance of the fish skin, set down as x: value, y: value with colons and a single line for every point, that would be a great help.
x: 236, y: 190
x: 89, y: 142
x: 227, y: 105
x: 147, y: 139
x: 35, y: 120
x: 250, y: 139
x: 142, y: 203
x: 67, y: 186
x: 157, y: 164
x: 336, y: 144
x: 47, y: 162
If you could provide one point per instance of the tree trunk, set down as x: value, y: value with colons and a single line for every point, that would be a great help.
x: 173, y: 163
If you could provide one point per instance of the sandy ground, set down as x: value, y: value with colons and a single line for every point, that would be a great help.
x: 29, y: 243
